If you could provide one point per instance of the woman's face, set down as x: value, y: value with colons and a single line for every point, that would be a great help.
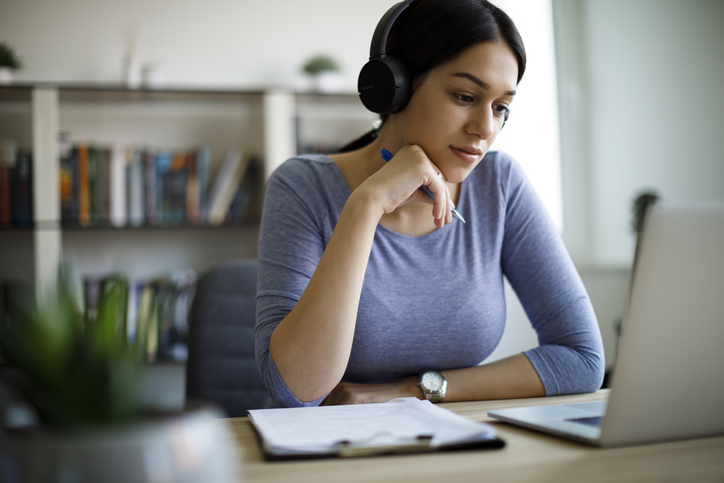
x: 456, y: 113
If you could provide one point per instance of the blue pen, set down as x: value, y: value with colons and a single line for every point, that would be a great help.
x: 386, y: 155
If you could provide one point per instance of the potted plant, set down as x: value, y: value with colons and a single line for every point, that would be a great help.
x: 70, y: 402
x: 324, y: 72
x: 9, y: 62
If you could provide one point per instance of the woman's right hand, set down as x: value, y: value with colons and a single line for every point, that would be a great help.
x: 398, y: 182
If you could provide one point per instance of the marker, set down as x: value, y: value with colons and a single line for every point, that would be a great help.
x: 386, y: 155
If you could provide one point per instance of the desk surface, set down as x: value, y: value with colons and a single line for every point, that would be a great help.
x: 528, y: 456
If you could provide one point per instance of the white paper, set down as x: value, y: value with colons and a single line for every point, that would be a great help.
x: 320, y: 429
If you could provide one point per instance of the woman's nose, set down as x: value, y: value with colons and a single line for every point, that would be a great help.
x: 483, y: 123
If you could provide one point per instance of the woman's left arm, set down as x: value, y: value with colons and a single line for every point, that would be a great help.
x: 512, y: 377
x: 569, y: 358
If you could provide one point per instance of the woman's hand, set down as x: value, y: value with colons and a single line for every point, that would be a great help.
x: 397, y: 183
x: 354, y: 393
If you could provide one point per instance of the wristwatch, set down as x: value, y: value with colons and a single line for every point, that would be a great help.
x: 433, y: 386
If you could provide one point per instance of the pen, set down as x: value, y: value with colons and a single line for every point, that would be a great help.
x: 386, y: 155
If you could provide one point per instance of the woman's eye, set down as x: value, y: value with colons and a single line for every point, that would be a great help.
x: 501, y: 110
x: 464, y: 98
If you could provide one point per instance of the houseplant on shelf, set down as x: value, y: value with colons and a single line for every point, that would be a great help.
x: 9, y: 63
x: 324, y: 72
x: 70, y: 410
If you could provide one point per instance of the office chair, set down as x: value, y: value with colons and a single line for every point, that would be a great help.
x: 221, y: 367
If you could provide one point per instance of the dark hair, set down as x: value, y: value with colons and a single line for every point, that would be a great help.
x: 430, y: 33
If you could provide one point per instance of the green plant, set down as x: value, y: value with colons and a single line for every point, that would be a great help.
x: 319, y: 64
x: 8, y: 58
x: 75, y: 370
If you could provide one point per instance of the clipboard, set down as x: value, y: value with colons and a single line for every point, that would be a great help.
x: 401, y: 426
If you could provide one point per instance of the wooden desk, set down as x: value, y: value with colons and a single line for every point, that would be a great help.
x: 528, y: 456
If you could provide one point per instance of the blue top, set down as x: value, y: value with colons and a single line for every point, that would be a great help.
x: 402, y: 329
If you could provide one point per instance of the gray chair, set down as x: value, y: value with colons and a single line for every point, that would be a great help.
x: 221, y: 367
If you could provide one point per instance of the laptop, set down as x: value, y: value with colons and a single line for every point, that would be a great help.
x: 668, y: 383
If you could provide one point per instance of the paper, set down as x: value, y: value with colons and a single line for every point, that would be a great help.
x: 319, y: 430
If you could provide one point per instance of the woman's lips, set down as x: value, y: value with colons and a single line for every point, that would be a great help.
x: 469, y: 155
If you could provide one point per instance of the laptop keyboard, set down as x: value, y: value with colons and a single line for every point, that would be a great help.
x: 590, y: 421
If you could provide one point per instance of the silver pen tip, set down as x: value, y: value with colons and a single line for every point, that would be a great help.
x: 458, y: 215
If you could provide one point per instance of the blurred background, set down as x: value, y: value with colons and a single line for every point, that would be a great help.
x: 621, y: 96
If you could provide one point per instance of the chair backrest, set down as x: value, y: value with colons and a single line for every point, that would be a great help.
x: 221, y: 367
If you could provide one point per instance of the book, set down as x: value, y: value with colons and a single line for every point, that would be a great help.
x: 203, y: 168
x: 7, y: 173
x: 117, y: 184
x: 399, y: 426
x: 152, y: 213
x: 66, y: 174
x: 193, y: 198
x: 163, y: 161
x: 226, y: 180
x: 23, y: 188
x: 135, y: 186
x: 147, y: 324
x: 245, y: 193
x: 113, y: 308
x: 178, y: 175
x: 83, y: 186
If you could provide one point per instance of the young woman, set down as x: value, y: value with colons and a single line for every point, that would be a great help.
x: 370, y: 290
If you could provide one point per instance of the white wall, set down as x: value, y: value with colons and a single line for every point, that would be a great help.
x: 640, y: 80
x: 641, y: 85
x: 210, y: 43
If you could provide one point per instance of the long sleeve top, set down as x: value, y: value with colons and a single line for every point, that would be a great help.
x: 432, y: 302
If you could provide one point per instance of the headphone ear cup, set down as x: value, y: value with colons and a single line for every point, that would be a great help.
x: 383, y: 85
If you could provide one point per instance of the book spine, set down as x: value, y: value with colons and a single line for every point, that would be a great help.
x: 23, y: 204
x: 203, y: 168
x: 242, y: 199
x: 147, y: 323
x: 135, y: 199
x: 83, y: 186
x: 224, y: 187
x: 65, y: 177
x: 118, y: 210
x: 112, y: 311
x: 163, y: 190
x: 103, y: 186
x: 7, y: 169
x: 177, y: 176
x: 152, y: 214
x: 192, y: 189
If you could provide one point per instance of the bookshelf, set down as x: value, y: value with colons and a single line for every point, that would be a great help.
x: 269, y: 124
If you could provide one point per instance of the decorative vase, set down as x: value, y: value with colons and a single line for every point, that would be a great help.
x: 6, y: 75
x: 189, y: 447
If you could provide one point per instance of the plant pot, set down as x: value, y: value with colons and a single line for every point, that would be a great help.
x: 6, y: 75
x: 327, y: 82
x: 189, y: 447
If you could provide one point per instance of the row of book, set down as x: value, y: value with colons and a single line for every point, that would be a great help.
x: 16, y: 184
x: 157, y: 311
x: 156, y: 318
x: 139, y: 186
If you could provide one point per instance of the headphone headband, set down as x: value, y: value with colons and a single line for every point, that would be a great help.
x: 379, y: 39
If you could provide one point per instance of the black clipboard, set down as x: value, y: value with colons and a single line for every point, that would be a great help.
x: 377, y: 444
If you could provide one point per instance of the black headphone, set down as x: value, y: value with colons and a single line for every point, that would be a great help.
x: 383, y: 84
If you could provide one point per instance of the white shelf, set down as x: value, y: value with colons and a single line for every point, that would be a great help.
x: 263, y: 123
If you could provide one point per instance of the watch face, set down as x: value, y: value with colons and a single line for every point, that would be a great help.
x: 432, y: 381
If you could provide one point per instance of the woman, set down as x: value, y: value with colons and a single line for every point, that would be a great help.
x: 367, y: 293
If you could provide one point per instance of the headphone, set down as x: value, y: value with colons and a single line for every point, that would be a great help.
x: 383, y: 83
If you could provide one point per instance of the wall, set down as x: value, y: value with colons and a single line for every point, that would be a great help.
x: 210, y: 43
x: 642, y: 109
x: 639, y: 85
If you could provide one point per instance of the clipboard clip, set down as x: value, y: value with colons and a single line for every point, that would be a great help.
x: 363, y: 447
